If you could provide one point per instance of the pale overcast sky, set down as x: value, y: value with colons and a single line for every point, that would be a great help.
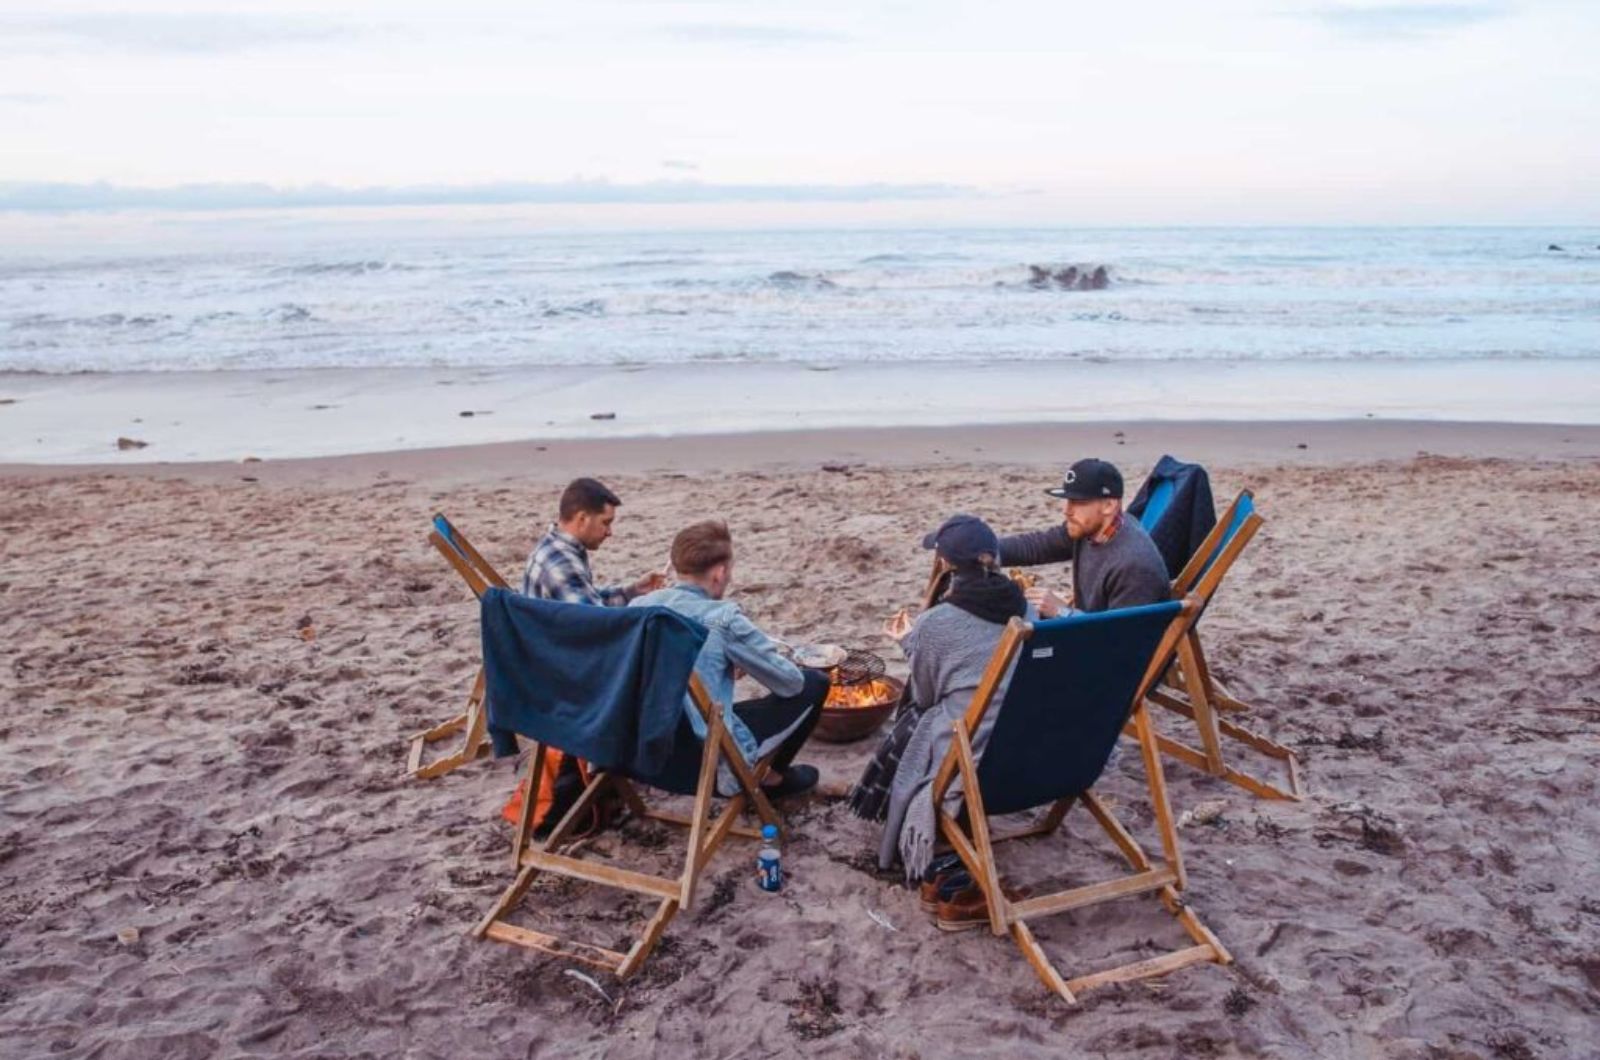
x: 1004, y: 111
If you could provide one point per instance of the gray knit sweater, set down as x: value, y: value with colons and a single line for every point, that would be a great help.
x: 949, y: 650
x: 1126, y: 571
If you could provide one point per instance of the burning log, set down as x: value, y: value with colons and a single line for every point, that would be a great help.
x: 856, y: 706
x: 872, y: 693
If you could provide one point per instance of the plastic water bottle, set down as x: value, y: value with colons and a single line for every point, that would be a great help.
x: 769, y: 869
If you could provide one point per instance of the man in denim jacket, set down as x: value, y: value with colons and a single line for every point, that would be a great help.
x: 702, y: 555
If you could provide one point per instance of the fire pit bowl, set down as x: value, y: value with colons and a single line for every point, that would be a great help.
x: 856, y: 711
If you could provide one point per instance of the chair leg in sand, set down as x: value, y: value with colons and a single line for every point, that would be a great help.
x: 1188, y: 687
x: 1048, y: 747
x: 472, y: 723
x: 706, y: 833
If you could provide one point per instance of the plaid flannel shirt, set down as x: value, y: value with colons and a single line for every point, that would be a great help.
x: 559, y: 570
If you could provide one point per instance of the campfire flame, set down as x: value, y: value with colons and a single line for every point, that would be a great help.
x: 862, y: 694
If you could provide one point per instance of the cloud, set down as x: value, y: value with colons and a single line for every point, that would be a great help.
x: 27, y: 99
x: 57, y: 197
x: 194, y: 34
x: 1406, y: 21
x: 678, y: 163
x: 766, y: 36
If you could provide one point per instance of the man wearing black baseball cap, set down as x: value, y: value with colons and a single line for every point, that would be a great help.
x: 1114, y: 562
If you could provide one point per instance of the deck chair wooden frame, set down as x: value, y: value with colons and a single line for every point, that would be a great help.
x: 1189, y: 688
x: 938, y: 581
x: 706, y: 834
x: 472, y: 723
x: 974, y: 841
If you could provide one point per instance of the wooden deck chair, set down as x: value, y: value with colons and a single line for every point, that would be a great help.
x: 1077, y: 680
x: 1156, y: 505
x: 938, y: 582
x: 691, y: 770
x: 1176, y: 531
x: 479, y: 574
x: 1190, y: 689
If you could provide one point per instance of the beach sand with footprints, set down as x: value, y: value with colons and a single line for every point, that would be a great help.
x: 209, y: 846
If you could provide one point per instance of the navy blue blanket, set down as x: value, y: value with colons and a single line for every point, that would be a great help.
x: 604, y: 683
x: 1187, y: 512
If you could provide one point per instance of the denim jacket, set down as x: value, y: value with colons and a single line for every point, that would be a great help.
x: 734, y: 641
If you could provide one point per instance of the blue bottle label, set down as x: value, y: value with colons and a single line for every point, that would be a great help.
x: 769, y: 872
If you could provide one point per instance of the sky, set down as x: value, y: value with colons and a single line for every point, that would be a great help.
x: 642, y: 111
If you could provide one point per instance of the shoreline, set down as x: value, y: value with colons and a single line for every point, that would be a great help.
x: 1134, y: 443
x: 307, y: 413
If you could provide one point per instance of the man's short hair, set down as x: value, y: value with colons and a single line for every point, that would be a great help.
x: 586, y: 495
x: 702, y: 546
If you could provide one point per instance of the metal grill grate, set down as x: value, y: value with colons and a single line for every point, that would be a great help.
x: 858, y: 666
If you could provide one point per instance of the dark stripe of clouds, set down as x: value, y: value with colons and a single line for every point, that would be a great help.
x: 1406, y: 21
x: 60, y: 197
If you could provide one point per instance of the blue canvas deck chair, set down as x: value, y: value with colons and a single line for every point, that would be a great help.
x: 1175, y: 508
x: 1156, y: 504
x: 480, y: 575
x: 690, y: 769
x: 1077, y: 681
x: 1190, y: 689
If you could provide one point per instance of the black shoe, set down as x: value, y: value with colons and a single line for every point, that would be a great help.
x: 797, y: 780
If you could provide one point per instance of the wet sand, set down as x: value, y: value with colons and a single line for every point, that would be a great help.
x: 230, y: 415
x: 182, y: 760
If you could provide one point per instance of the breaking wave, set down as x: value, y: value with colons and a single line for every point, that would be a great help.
x: 813, y: 297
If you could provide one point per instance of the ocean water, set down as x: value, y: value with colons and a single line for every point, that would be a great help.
x: 816, y: 297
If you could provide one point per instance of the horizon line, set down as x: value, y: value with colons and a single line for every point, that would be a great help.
x: 202, y: 197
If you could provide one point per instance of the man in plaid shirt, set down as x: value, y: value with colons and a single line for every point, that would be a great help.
x: 559, y: 566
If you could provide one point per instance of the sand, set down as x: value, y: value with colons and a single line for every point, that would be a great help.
x: 208, y: 846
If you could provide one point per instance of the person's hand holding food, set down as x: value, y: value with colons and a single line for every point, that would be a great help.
x: 1047, y: 603
x: 649, y: 583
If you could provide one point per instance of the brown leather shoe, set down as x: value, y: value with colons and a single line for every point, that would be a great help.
x: 968, y: 909
x: 943, y: 887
